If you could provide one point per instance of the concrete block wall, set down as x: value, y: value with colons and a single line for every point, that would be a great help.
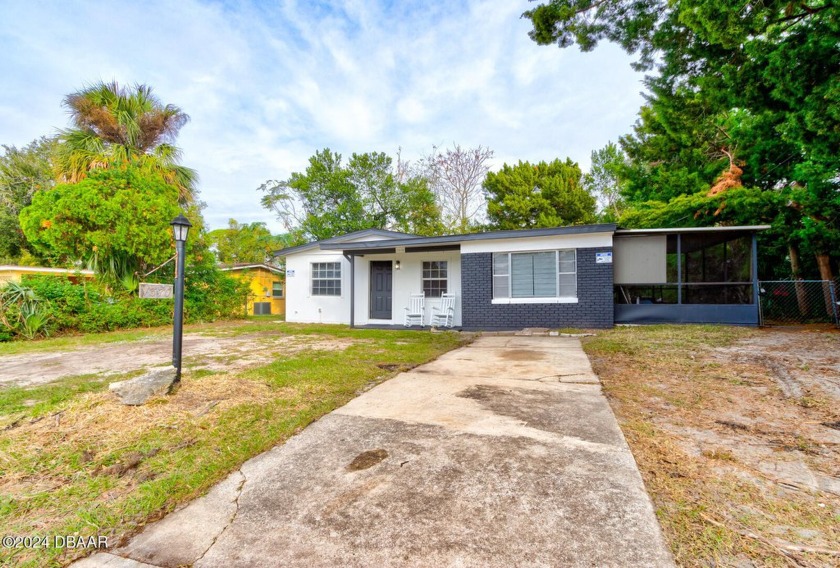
x: 594, y: 308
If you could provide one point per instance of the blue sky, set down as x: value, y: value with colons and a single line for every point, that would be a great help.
x: 266, y: 84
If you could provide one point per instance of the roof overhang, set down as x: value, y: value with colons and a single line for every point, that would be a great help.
x: 274, y: 269
x: 453, y: 242
x: 741, y: 229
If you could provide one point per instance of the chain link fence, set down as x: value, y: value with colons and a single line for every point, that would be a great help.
x: 787, y: 302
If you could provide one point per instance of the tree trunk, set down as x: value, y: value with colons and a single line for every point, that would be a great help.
x: 796, y: 270
x: 824, y: 263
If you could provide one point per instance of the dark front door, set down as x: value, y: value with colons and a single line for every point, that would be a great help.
x: 381, y: 280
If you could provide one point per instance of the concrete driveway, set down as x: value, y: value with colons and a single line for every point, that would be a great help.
x: 503, y: 453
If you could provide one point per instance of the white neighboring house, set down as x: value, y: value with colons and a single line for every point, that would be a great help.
x: 553, y: 277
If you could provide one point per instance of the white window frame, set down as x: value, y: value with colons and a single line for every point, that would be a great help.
x: 509, y: 299
x: 317, y: 267
x: 423, y: 279
x: 282, y: 289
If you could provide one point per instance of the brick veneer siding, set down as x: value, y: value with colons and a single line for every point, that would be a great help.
x: 594, y: 308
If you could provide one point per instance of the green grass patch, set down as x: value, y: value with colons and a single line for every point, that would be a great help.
x: 102, y: 468
x: 68, y: 342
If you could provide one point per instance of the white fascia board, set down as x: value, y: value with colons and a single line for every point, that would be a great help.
x: 552, y: 242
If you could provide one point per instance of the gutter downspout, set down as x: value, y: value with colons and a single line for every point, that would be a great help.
x: 351, y: 258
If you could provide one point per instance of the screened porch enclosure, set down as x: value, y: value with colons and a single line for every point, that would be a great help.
x: 686, y: 276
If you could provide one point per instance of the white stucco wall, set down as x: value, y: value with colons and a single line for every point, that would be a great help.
x: 302, y: 307
x: 407, y: 280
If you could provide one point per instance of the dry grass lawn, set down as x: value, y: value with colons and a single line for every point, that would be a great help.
x: 737, y: 435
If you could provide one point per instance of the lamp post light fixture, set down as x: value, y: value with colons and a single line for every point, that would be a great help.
x: 180, y: 229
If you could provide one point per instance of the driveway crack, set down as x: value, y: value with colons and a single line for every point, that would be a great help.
x: 232, y: 517
x: 555, y: 378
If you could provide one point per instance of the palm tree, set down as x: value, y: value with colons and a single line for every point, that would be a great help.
x: 115, y: 126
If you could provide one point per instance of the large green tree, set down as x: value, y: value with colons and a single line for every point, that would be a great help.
x: 526, y: 196
x: 331, y: 198
x: 606, y: 180
x: 116, y: 220
x: 23, y: 172
x: 740, y: 94
x: 116, y: 126
x: 243, y: 242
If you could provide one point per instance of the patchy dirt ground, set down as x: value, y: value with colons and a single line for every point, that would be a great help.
x: 785, y: 421
x: 204, y: 350
x: 738, y: 438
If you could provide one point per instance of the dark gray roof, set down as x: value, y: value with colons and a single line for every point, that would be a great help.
x: 343, y: 238
x: 513, y: 234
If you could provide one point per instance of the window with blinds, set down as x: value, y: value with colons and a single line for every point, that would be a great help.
x: 545, y: 274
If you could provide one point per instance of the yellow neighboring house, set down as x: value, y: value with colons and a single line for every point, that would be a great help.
x: 268, y: 287
x: 13, y: 273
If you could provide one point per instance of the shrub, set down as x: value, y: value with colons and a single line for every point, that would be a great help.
x: 91, y: 307
x: 22, y: 311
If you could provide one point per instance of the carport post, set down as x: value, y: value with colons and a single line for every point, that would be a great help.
x: 351, y: 258
x: 679, y: 268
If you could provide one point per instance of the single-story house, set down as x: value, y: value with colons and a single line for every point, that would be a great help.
x: 589, y: 276
x: 14, y: 273
x: 266, y: 284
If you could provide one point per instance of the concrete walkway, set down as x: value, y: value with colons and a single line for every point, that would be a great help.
x: 503, y: 453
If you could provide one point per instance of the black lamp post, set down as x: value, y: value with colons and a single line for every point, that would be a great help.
x: 180, y: 228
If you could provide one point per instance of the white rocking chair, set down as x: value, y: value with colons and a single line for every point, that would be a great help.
x: 416, y: 310
x: 444, y: 315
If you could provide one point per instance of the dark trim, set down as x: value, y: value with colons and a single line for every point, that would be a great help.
x: 679, y: 269
x: 433, y: 248
x: 732, y: 314
x: 351, y: 260
x: 347, y: 253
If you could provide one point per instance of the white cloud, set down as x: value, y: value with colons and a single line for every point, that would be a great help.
x: 266, y: 85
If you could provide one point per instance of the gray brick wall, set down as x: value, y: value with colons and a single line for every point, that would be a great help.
x: 594, y: 308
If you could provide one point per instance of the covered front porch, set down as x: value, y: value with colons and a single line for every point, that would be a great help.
x: 383, y: 279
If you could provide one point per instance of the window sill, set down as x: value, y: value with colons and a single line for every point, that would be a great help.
x: 534, y: 301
